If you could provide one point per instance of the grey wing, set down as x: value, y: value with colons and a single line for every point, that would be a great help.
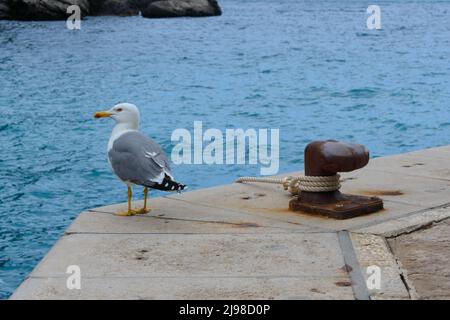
x: 136, y: 158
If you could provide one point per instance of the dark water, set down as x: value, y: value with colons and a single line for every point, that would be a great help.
x: 310, y: 68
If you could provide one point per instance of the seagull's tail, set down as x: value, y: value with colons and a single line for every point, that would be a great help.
x: 168, y: 185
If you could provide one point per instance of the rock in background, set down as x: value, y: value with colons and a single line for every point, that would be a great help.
x: 57, y: 9
x: 4, y: 10
x: 114, y: 7
x: 40, y: 9
x: 181, y: 8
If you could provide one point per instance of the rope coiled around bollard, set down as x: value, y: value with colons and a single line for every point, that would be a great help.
x: 301, y: 183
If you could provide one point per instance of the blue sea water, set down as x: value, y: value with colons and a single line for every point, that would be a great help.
x: 310, y: 68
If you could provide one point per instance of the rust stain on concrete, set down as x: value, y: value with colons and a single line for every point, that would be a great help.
x: 343, y: 283
x: 232, y: 224
x: 387, y: 192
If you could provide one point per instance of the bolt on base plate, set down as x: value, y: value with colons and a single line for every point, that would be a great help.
x: 348, y: 206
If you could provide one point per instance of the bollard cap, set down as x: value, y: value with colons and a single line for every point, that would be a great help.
x: 328, y: 157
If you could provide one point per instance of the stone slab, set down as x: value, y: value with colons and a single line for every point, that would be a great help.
x: 176, y: 216
x: 417, y: 191
x: 407, y: 223
x: 442, y: 152
x: 188, y: 288
x: 194, y: 266
x: 415, y: 164
x: 372, y: 251
x: 425, y: 254
x: 272, y: 201
x: 178, y: 255
x: 107, y: 223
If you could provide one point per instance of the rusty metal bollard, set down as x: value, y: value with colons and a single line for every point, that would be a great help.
x: 327, y: 158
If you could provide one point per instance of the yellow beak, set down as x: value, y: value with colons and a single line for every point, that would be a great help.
x: 102, y: 114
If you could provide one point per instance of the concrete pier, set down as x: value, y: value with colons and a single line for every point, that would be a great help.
x: 240, y: 241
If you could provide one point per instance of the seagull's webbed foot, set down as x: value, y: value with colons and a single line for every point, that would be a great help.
x: 142, y: 211
x: 131, y: 212
x: 126, y: 213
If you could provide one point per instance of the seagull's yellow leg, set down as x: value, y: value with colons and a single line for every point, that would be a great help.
x: 144, y: 210
x: 129, y: 212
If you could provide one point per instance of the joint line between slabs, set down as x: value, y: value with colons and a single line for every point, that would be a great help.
x: 356, y: 277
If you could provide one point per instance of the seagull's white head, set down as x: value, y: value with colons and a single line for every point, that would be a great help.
x: 122, y: 113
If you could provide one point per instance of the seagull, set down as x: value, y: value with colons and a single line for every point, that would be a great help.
x: 135, y: 158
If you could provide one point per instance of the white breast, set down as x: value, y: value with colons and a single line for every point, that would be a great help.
x: 116, y: 133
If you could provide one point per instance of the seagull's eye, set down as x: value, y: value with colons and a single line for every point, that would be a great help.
x: 119, y: 110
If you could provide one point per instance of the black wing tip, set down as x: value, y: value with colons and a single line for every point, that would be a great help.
x: 169, y: 185
x: 182, y: 187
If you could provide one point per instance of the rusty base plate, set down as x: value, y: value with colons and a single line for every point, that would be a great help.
x: 349, y: 206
